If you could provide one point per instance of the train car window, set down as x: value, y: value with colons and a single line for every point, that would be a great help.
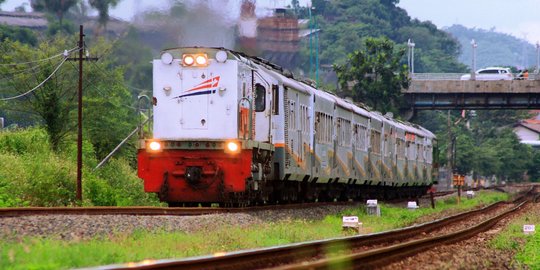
x: 318, y: 126
x: 375, y: 142
x: 329, y: 128
x: 361, y: 137
x: 412, y: 151
x: 401, y: 148
x: 260, y: 98
x: 304, y: 121
x: 292, y: 115
x: 275, y: 100
x: 323, y: 127
x: 420, y: 154
x: 344, y: 132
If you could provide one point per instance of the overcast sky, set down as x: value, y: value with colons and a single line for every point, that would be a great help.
x: 520, y: 18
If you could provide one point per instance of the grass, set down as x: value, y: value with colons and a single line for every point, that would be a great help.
x: 37, y: 253
x: 525, y: 246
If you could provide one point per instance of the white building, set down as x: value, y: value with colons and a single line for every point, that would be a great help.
x: 528, y: 131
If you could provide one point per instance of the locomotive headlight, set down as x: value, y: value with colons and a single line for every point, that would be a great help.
x: 232, y: 147
x: 201, y: 60
x: 154, y: 146
x: 188, y: 60
x: 195, y: 60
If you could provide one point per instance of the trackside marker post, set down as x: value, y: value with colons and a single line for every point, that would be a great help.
x: 372, y: 208
x: 351, y: 222
x: 528, y: 229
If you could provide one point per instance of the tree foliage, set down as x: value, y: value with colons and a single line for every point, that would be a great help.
x: 346, y: 23
x: 108, y: 116
x: 15, y: 33
x: 375, y: 74
x: 102, y: 7
x: 57, y: 7
x: 133, y: 56
x: 485, y: 143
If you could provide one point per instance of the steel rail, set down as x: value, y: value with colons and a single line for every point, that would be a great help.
x: 386, y: 255
x: 265, y: 257
x: 152, y: 211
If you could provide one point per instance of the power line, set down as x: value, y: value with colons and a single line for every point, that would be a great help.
x: 135, y: 88
x: 15, y: 72
x: 64, y: 53
x: 39, y: 85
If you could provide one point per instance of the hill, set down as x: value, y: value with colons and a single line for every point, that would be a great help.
x: 345, y: 24
x: 494, y: 48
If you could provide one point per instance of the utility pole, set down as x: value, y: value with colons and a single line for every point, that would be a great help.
x: 473, y: 67
x: 79, y: 116
x: 80, y: 59
x: 411, y: 45
x: 537, y: 58
x: 450, y: 150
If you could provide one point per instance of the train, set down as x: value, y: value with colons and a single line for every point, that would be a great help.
x: 236, y: 130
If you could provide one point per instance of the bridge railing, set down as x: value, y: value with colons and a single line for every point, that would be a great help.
x: 436, y: 76
x: 454, y: 76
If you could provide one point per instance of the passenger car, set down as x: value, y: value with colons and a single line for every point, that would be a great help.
x: 491, y: 74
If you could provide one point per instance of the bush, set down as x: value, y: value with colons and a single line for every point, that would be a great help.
x: 33, y: 175
x: 24, y: 141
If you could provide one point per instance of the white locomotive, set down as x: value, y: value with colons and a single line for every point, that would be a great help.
x: 233, y: 129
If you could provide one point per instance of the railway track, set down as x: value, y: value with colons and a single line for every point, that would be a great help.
x: 162, y: 211
x: 358, y: 252
x: 151, y: 211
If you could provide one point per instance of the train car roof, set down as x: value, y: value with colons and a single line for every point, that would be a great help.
x: 325, y: 95
x: 288, y: 82
x: 428, y: 133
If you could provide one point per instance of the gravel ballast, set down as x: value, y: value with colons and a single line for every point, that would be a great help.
x: 77, y: 227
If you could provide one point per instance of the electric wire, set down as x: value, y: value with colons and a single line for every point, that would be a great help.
x: 20, y: 71
x: 37, y: 86
x: 64, y: 53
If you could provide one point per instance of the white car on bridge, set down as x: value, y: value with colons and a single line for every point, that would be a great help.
x: 491, y: 74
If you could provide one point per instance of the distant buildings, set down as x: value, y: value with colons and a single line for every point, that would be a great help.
x: 38, y: 21
x: 32, y: 20
x: 528, y: 130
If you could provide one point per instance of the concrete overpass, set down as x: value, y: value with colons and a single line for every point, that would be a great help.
x: 446, y: 91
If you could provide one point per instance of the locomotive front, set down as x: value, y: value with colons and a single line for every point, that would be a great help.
x: 199, y: 150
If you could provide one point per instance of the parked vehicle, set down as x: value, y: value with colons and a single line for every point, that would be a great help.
x: 491, y: 74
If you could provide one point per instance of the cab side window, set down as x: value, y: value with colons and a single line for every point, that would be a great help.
x: 260, y: 98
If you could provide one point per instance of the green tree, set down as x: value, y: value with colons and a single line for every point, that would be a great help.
x: 346, y: 23
x: 57, y: 7
x: 131, y: 53
x: 534, y: 166
x: 103, y: 8
x: 20, y: 34
x: 108, y: 116
x: 375, y: 74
